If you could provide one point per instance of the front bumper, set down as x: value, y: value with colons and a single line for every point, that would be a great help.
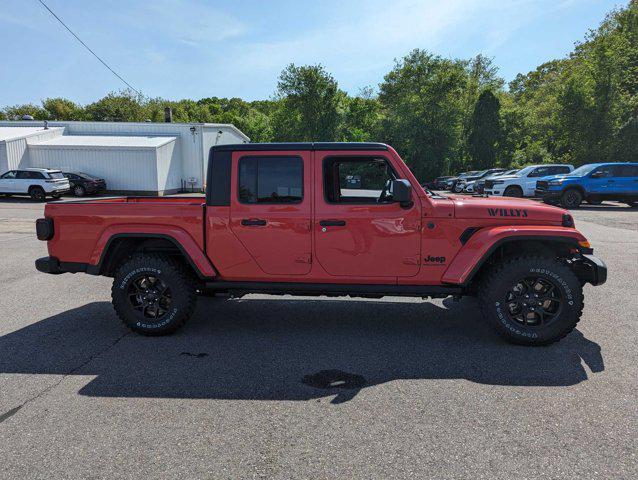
x: 547, y: 194
x: 591, y: 269
x: 493, y: 191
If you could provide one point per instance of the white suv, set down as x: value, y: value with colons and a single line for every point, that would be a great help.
x: 35, y: 182
x: 523, y: 182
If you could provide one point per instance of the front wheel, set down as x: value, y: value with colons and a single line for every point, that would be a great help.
x: 532, y: 299
x: 513, y: 191
x: 79, y: 191
x: 153, y: 294
x: 571, y: 198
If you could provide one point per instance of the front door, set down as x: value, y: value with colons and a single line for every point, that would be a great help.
x: 359, y: 230
x: 602, y: 180
x: 8, y: 182
x: 270, y: 210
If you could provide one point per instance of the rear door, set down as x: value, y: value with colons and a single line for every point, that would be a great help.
x: 358, y: 232
x: 626, y: 179
x: 271, y: 207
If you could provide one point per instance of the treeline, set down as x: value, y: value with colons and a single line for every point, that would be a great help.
x: 442, y: 115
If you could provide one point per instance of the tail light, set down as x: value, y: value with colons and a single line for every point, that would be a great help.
x: 44, y: 228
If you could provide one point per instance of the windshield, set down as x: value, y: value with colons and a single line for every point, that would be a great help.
x: 87, y: 176
x: 584, y: 170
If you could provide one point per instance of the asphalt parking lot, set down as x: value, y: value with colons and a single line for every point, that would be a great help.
x: 441, y: 396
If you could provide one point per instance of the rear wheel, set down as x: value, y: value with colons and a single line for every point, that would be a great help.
x: 37, y: 193
x: 153, y: 294
x: 513, y: 191
x: 571, y: 198
x: 532, y: 299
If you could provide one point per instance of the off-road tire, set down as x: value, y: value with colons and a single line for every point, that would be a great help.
x: 180, y: 284
x: 498, y: 281
x: 513, y: 191
x: 37, y: 193
x: 571, y: 198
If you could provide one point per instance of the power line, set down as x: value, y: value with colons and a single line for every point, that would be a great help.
x: 89, y: 49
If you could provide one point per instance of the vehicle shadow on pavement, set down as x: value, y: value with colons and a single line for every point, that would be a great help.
x: 261, y: 349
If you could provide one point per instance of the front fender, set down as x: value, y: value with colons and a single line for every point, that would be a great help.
x: 178, y: 236
x: 482, y: 244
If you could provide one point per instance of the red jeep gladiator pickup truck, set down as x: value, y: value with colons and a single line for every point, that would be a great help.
x: 326, y: 219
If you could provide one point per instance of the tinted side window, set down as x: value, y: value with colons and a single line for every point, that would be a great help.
x: 9, y: 175
x: 605, y: 172
x: 356, y: 179
x: 560, y: 170
x: 626, y: 170
x: 540, y: 172
x: 270, y: 180
x: 22, y: 174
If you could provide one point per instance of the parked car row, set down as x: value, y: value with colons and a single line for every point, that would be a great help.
x: 40, y: 183
x: 554, y: 184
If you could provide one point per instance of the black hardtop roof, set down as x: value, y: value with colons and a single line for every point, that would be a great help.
x: 301, y: 146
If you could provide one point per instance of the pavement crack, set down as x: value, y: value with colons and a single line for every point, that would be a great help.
x: 55, y: 384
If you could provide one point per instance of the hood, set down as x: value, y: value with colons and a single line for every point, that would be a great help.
x: 564, y: 176
x: 504, y: 177
x: 503, y: 208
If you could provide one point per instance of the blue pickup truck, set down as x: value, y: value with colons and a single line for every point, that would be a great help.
x: 592, y: 183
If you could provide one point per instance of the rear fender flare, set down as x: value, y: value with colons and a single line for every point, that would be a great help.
x: 179, y: 237
x: 469, y: 259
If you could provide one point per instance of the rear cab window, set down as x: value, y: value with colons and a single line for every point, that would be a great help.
x: 270, y: 180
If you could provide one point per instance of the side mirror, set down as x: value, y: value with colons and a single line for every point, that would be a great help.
x: 401, y: 192
x: 597, y: 174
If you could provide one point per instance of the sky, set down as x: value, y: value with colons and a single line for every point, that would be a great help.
x: 201, y: 48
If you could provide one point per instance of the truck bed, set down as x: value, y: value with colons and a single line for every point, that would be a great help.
x: 82, y: 228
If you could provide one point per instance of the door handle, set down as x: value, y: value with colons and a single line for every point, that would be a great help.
x: 332, y: 223
x: 253, y: 222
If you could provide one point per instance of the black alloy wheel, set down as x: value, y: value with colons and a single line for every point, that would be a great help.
x: 150, y: 296
x: 533, y: 301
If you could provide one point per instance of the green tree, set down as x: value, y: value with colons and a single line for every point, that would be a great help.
x: 308, y: 105
x: 422, y: 100
x: 118, y: 107
x: 361, y: 120
x: 16, y: 112
x: 485, y: 133
x: 62, y: 109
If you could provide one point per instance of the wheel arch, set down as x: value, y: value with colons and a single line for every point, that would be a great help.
x: 490, y: 244
x: 120, y: 246
x: 575, y: 186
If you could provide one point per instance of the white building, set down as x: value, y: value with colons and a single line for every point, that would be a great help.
x: 138, y: 158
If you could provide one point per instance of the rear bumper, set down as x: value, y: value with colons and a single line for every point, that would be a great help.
x: 53, y: 266
x: 592, y: 269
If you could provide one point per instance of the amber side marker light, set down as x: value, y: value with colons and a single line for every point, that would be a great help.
x: 584, y: 244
